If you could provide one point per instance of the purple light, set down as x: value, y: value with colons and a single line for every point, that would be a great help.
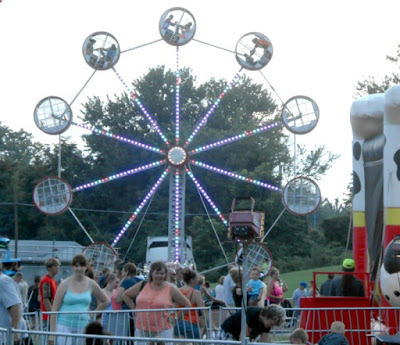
x: 177, y: 97
x: 119, y: 175
x: 204, y: 193
x: 118, y: 137
x: 177, y: 220
x: 142, y: 108
x: 235, y: 138
x: 236, y: 176
x: 139, y: 208
x: 212, y: 109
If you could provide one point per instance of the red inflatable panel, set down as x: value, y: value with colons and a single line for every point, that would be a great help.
x: 316, y: 322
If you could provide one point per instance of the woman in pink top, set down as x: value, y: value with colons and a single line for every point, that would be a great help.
x: 156, y: 294
x: 275, y: 288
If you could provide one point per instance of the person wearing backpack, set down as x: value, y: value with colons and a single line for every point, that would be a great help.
x: 33, y: 299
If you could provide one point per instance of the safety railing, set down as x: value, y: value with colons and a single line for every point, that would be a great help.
x: 4, y: 334
x: 92, y: 339
x: 360, y: 325
x: 185, y: 323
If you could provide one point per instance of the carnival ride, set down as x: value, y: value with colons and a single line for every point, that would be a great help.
x: 375, y: 121
x: 101, y: 51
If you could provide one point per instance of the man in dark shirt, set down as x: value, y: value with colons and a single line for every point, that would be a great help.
x: 259, y: 322
x: 326, y: 287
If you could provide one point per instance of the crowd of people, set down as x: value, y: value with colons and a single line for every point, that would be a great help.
x: 134, y: 306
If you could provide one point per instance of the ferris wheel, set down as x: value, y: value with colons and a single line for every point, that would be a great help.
x: 177, y: 27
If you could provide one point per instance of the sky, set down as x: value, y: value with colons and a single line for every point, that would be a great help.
x: 321, y: 49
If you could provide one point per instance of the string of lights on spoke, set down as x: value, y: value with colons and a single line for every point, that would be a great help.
x: 234, y: 175
x: 140, y: 207
x: 118, y: 137
x: 234, y: 138
x: 141, y: 107
x: 203, y: 121
x: 119, y: 175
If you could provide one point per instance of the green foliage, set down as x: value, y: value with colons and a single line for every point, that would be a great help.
x: 293, y: 278
x: 336, y: 229
x: 370, y: 85
x: 264, y: 156
x: 315, y: 163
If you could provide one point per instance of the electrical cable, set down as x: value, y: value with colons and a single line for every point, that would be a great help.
x: 138, y: 228
x: 211, y: 223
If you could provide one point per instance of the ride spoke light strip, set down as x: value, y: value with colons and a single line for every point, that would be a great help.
x: 142, y: 108
x: 213, y: 107
x: 235, y: 138
x: 177, y: 97
x: 204, y: 193
x: 118, y: 137
x: 140, y: 207
x: 236, y: 176
x: 177, y: 217
x: 119, y: 175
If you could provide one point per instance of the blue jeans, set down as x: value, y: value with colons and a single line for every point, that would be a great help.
x: 187, y: 330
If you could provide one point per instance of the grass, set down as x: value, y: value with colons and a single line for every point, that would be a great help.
x: 293, y: 279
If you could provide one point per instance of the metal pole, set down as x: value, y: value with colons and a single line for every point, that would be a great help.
x: 294, y: 156
x: 15, y: 220
x: 10, y: 336
x: 59, y: 155
x: 273, y: 224
x: 244, y: 293
x: 80, y: 224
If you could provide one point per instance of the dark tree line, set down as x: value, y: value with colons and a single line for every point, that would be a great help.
x: 104, y: 209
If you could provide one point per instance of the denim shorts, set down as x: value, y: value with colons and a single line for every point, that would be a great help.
x: 187, y: 330
x: 252, y: 298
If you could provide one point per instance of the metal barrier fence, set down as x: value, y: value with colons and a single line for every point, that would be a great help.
x: 360, y: 325
x: 91, y: 339
x: 3, y: 335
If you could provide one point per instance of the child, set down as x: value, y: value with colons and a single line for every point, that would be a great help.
x: 254, y: 287
x: 298, y: 336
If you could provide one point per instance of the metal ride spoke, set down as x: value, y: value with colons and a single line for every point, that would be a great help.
x: 229, y: 140
x: 176, y: 229
x: 207, y: 197
x: 213, y: 45
x: 213, y: 107
x: 141, y: 46
x: 118, y: 137
x: 139, y: 208
x: 141, y: 107
x: 119, y: 175
x: 177, y: 97
x: 83, y: 87
x: 235, y: 176
x: 203, y: 193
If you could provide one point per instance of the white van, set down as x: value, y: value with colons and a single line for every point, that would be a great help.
x: 157, y: 250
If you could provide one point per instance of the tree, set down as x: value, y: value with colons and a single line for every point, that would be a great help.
x: 18, y: 154
x: 370, y: 85
x: 245, y: 107
x: 264, y: 156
